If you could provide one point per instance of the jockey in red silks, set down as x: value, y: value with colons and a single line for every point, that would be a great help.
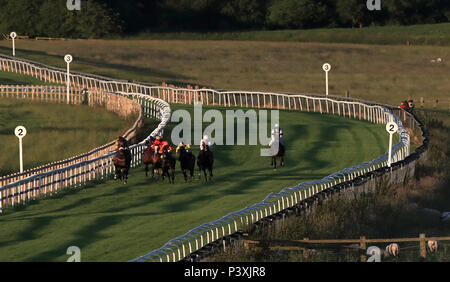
x: 165, y: 145
x: 157, y: 144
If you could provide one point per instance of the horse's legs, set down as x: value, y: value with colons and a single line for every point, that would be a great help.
x: 155, y: 170
x: 210, y: 173
x: 173, y: 175
x: 192, y: 173
x: 282, y: 161
x: 125, y: 175
x: 206, y: 176
x: 274, y: 159
x: 146, y: 170
x: 185, y: 175
x: 164, y: 172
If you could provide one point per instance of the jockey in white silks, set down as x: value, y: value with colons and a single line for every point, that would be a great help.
x: 205, y: 142
x: 277, y: 133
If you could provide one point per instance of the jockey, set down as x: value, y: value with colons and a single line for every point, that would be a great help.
x: 121, y: 143
x: 156, y: 144
x: 187, y: 147
x: 205, y: 143
x: 180, y: 146
x: 276, y: 131
x: 165, y: 145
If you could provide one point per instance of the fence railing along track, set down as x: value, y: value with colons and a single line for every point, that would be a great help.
x: 45, y: 180
x: 197, y: 238
x: 120, y: 105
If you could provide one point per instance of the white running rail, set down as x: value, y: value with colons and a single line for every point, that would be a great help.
x: 160, y: 96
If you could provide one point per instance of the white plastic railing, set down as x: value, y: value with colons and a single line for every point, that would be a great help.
x: 78, y: 171
x: 197, y: 238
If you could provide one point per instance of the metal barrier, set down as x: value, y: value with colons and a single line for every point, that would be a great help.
x: 203, y: 235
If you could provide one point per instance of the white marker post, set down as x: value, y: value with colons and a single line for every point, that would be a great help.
x: 391, y: 128
x: 68, y: 59
x: 20, y: 132
x: 326, y: 68
x: 13, y: 36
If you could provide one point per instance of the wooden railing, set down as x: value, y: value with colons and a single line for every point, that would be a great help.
x: 362, y: 244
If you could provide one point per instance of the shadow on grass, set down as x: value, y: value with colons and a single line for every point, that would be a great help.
x: 100, y: 64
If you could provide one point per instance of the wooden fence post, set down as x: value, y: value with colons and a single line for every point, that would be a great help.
x: 423, y: 249
x: 363, y: 248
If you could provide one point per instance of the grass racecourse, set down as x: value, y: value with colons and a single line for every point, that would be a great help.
x: 110, y: 221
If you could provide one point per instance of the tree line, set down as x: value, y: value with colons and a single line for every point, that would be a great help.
x: 101, y: 18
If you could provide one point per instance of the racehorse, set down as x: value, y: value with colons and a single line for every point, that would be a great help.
x: 187, y: 162
x: 205, y: 161
x: 277, y: 154
x: 148, y: 157
x: 168, y: 162
x: 151, y: 158
x: 122, y: 160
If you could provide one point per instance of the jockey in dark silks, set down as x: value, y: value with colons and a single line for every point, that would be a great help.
x: 187, y: 148
x: 122, y: 145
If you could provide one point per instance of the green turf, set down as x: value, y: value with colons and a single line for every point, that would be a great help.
x: 55, y: 131
x: 115, y: 222
x: 10, y: 78
x: 427, y: 34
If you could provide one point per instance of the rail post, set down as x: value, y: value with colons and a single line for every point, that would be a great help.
x: 423, y: 249
x: 363, y: 247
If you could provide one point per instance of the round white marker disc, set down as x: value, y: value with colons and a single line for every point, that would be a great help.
x: 391, y: 127
x: 68, y: 58
x: 326, y: 67
x: 20, y: 131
